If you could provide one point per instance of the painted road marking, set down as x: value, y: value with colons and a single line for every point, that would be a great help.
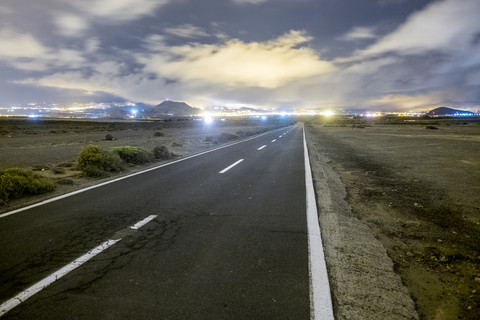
x: 63, y: 196
x: 42, y: 284
x: 231, y: 166
x: 140, y: 224
x: 280, y: 136
x: 262, y: 147
x: 320, y: 299
x: 274, y: 140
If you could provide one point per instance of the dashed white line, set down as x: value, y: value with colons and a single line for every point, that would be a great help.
x: 320, y: 298
x: 231, y: 166
x: 280, y: 136
x: 140, y: 224
x: 262, y: 147
x: 274, y: 140
x: 42, y: 284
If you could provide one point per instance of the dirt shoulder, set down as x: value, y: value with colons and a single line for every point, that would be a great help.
x: 413, y: 194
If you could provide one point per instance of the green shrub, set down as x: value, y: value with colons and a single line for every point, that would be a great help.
x: 109, y: 137
x: 158, y: 134
x: 96, y: 162
x: 162, y: 153
x: 133, y: 155
x: 16, y: 183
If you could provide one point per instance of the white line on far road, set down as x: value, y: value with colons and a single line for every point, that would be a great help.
x: 231, y: 166
x: 320, y: 298
x: 274, y: 140
x: 42, y: 284
x: 140, y: 224
x: 262, y: 147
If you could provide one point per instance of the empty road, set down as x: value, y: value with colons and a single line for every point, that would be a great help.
x: 222, y: 235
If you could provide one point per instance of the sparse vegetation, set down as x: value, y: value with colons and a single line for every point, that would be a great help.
x: 16, y: 183
x: 162, y: 153
x: 109, y: 137
x: 133, y: 155
x: 58, y: 170
x: 432, y: 127
x: 158, y: 134
x: 96, y: 162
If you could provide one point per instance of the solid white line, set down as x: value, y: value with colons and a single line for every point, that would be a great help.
x: 140, y: 224
x: 274, y: 140
x: 42, y: 284
x: 231, y: 166
x: 320, y: 298
x: 262, y: 147
x: 6, y: 214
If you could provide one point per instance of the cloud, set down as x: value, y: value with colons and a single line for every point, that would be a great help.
x: 118, y: 10
x: 235, y: 63
x: 71, y: 25
x: 24, y: 52
x: 411, y: 102
x: 443, y: 25
x: 430, y: 59
x: 186, y: 31
x: 19, y: 45
x: 249, y: 1
x: 360, y: 33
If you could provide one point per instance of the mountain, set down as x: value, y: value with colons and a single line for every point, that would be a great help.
x: 173, y: 108
x: 443, y: 111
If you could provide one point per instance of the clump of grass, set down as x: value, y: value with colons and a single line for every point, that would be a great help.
x: 432, y: 127
x: 96, y: 162
x: 109, y: 137
x: 225, y: 137
x: 211, y: 139
x: 162, y: 153
x: 133, y: 155
x: 16, y: 183
x: 65, y: 181
x: 176, y: 144
x: 158, y: 134
x: 58, y: 170
x: 40, y: 167
x: 65, y: 165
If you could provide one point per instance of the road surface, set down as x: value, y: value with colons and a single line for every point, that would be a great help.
x: 222, y: 235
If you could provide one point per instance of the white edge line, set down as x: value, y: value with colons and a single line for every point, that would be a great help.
x: 262, y: 147
x: 274, y: 140
x: 42, y: 284
x: 6, y: 214
x: 320, y: 298
x: 231, y: 166
x: 140, y: 224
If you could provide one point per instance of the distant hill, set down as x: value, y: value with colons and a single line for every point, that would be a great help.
x: 173, y: 108
x: 443, y: 111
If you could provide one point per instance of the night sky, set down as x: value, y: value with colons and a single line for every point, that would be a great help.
x: 352, y: 54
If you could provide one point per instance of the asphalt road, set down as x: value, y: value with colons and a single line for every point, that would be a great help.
x: 229, y: 245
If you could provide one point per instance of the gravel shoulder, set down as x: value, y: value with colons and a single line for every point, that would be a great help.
x: 399, y: 211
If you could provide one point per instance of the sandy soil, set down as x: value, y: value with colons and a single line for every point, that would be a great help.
x: 51, y: 147
x: 417, y: 191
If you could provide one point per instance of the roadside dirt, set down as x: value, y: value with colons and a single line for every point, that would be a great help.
x: 418, y: 191
x: 51, y: 146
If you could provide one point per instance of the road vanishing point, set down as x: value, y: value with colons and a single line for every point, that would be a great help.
x: 231, y: 233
